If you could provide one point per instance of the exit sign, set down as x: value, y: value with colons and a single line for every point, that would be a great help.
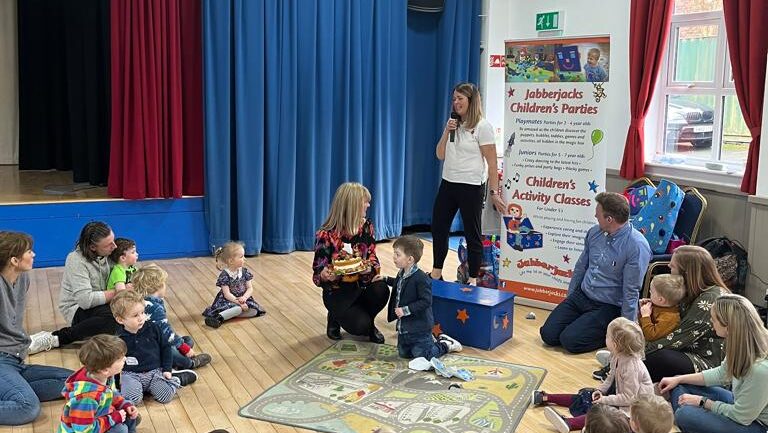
x: 546, y: 21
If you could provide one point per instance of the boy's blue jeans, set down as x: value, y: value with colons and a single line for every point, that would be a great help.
x: 694, y: 419
x: 24, y: 386
x: 419, y: 345
x: 129, y: 426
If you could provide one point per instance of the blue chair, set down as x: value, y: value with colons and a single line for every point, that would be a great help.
x: 687, y: 227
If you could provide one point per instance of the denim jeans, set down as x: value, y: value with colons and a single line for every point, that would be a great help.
x: 419, y: 345
x: 24, y: 386
x: 578, y: 324
x: 694, y: 419
x: 180, y: 361
x: 129, y: 426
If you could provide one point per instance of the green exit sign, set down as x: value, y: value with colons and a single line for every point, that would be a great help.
x: 546, y: 21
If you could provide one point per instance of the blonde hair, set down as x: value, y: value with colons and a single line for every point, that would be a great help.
x: 226, y: 252
x: 101, y: 351
x: 698, y: 269
x: 148, y: 279
x: 594, y: 51
x: 746, y: 341
x: 627, y: 336
x: 670, y: 287
x: 346, y: 214
x: 603, y: 418
x: 475, y: 110
x: 651, y: 414
x: 123, y: 301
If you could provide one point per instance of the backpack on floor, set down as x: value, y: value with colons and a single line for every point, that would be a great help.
x: 731, y: 261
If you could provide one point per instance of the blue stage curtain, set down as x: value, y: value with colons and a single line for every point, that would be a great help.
x: 300, y: 96
x: 443, y: 50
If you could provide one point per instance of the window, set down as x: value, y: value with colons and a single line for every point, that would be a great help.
x: 701, y: 120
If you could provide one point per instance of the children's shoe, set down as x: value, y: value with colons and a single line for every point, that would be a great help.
x: 42, y: 341
x: 214, y: 321
x: 451, y: 343
x: 537, y: 398
x: 200, y: 360
x: 185, y: 376
x: 603, y: 357
x: 557, y: 420
x: 601, y: 374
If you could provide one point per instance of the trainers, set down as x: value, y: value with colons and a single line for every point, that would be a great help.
x: 214, y: 322
x: 185, y: 376
x: 451, y: 343
x: 557, y: 420
x: 537, y: 398
x: 603, y: 357
x: 601, y: 374
x: 200, y: 360
x: 41, y: 341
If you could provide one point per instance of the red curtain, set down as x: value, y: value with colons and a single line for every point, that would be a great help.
x: 746, y: 25
x: 648, y: 33
x: 157, y: 129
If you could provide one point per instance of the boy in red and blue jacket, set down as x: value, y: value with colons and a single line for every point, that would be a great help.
x: 93, y: 405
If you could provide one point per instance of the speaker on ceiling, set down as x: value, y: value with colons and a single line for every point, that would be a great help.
x: 432, y: 6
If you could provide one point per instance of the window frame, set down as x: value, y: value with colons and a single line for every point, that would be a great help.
x: 720, y: 87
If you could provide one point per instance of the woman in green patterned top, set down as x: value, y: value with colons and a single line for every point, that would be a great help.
x: 693, y: 346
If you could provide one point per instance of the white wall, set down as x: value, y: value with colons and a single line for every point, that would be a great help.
x: 515, y: 19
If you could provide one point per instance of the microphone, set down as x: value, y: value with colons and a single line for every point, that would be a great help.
x: 454, y: 115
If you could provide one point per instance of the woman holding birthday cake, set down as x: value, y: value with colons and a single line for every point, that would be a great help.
x: 345, y: 263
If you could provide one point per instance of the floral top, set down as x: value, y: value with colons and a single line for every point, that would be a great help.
x: 329, y: 243
x: 695, y: 336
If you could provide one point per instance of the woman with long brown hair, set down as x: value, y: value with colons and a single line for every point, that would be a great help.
x: 694, y: 345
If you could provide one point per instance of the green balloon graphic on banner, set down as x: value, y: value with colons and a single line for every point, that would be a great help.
x: 597, y: 136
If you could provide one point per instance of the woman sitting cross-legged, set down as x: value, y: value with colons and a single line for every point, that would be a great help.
x: 700, y: 404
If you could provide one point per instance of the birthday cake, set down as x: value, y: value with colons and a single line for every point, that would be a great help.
x: 349, y: 265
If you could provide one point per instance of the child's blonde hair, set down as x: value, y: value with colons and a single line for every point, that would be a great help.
x: 148, y: 279
x: 226, y: 252
x: 346, y: 213
x: 670, y: 287
x: 123, y: 301
x: 651, y: 414
x: 603, y: 418
x: 627, y: 336
x: 101, y: 351
x: 594, y: 52
x: 747, y: 339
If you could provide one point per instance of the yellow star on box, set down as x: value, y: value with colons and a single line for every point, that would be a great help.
x: 462, y: 315
x: 506, y: 262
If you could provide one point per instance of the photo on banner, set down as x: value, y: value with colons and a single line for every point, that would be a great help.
x: 556, y: 128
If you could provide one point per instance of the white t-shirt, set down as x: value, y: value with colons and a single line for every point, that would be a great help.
x: 463, y: 161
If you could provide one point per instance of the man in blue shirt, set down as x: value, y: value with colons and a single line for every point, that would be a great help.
x: 606, y: 280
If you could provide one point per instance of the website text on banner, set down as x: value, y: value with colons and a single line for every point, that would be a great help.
x: 554, y: 162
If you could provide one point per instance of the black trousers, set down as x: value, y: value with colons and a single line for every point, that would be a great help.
x: 86, y: 324
x: 668, y: 363
x: 355, y: 306
x: 467, y: 199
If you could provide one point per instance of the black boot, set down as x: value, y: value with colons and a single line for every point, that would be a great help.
x: 333, y: 330
x: 376, y: 336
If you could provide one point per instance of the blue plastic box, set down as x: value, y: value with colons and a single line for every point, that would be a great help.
x: 476, y: 316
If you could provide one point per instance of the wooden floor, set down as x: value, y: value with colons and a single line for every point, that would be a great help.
x: 251, y: 355
x: 21, y: 187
